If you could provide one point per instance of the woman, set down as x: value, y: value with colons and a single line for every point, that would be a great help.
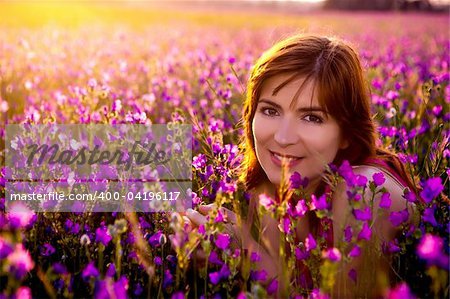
x: 308, y: 106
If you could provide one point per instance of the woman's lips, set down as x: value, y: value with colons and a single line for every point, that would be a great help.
x: 291, y: 160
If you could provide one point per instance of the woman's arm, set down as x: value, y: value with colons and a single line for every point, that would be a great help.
x: 242, y: 238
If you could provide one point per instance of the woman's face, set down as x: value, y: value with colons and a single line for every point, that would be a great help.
x: 303, y: 134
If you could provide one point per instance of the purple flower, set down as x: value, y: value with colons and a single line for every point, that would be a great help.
x: 378, y: 179
x: 158, y: 261
x: 361, y: 181
x: 273, y: 287
x: 317, y: 294
x: 138, y: 289
x: 201, y: 229
x: 178, y: 295
x: 168, y: 279
x: 430, y: 248
x: 409, y: 196
x: 214, y: 277
x: 59, y: 268
x: 319, y: 203
x: 333, y: 254
x: 352, y: 274
x: 296, y: 181
x: 47, y: 250
x: 224, y: 271
x: 393, y: 247
x: 362, y: 215
x: 355, y: 252
x: 220, y: 217
x: 19, y: 261
x: 365, y: 233
x: 241, y: 295
x: 399, y: 217
x: 431, y: 188
x: 154, y: 240
x: 346, y: 171
x: 428, y: 216
x: 258, y: 275
x: 214, y: 258
x: 111, y: 270
x: 348, y: 233
x: 222, y: 241
x: 285, y: 226
x: 5, y: 248
x: 310, y: 243
x: 401, y: 291
x: 102, y: 235
x: 89, y: 271
x: 255, y: 257
x: 385, y: 201
x: 301, y: 254
x: 121, y: 287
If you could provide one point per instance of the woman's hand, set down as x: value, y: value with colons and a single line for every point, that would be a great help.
x: 195, y: 219
x: 240, y: 236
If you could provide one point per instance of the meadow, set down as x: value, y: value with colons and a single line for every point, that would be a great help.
x: 80, y: 64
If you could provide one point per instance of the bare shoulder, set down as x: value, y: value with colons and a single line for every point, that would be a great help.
x: 391, y: 184
x: 381, y: 214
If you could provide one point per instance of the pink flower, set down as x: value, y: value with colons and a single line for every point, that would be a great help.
x: 20, y: 215
x: 430, y: 247
x: 285, y: 225
x: 20, y: 261
x: 317, y: 294
x: 310, y: 243
x: 265, y: 201
x: 401, y: 291
x: 23, y: 293
x: 332, y: 254
x: 301, y: 208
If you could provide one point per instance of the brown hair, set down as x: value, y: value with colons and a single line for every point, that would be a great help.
x: 335, y: 68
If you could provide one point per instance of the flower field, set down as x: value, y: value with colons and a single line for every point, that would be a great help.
x: 146, y: 66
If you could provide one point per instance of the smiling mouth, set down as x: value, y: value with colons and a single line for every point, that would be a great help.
x: 288, y: 158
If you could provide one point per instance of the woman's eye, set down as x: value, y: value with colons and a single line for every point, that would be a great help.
x: 313, y: 118
x: 269, y: 111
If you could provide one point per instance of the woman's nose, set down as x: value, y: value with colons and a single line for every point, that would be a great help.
x: 285, y: 133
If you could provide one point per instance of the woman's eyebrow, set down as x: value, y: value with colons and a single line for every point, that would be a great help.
x: 301, y: 109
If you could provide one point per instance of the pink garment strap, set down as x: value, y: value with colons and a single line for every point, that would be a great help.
x: 385, y: 166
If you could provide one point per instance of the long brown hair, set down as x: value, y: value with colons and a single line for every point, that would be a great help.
x: 335, y: 69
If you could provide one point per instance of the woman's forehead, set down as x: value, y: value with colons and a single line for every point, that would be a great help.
x: 291, y: 90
